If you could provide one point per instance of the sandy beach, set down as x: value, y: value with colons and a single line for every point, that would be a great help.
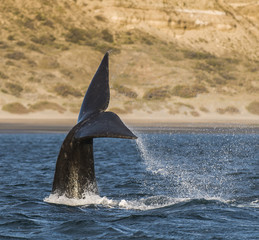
x: 50, y: 121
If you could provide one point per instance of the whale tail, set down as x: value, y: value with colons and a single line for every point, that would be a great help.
x: 75, y: 174
x: 94, y: 121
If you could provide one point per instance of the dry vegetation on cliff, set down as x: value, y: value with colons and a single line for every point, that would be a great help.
x: 163, y: 53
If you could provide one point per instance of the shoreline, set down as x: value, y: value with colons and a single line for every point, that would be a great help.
x: 139, y: 125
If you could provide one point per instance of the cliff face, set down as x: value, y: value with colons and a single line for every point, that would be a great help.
x: 165, y: 54
x: 219, y: 27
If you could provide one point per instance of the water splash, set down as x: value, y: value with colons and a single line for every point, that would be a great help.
x: 143, y: 204
x: 91, y: 199
x: 86, y: 201
x: 184, y: 168
x: 152, y: 159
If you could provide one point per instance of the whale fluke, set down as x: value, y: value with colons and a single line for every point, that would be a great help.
x: 105, y: 124
x: 74, y: 174
x: 97, y: 96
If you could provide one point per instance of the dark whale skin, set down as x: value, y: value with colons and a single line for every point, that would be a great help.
x: 75, y: 175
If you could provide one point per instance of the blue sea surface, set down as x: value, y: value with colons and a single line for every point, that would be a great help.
x: 173, y: 185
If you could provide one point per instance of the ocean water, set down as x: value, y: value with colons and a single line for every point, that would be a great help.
x: 165, y: 185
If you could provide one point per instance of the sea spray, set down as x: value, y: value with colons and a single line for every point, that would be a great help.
x: 196, y: 173
x: 152, y: 159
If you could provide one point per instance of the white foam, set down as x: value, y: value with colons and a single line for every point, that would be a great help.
x: 142, y: 204
x: 90, y: 199
x: 253, y: 204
